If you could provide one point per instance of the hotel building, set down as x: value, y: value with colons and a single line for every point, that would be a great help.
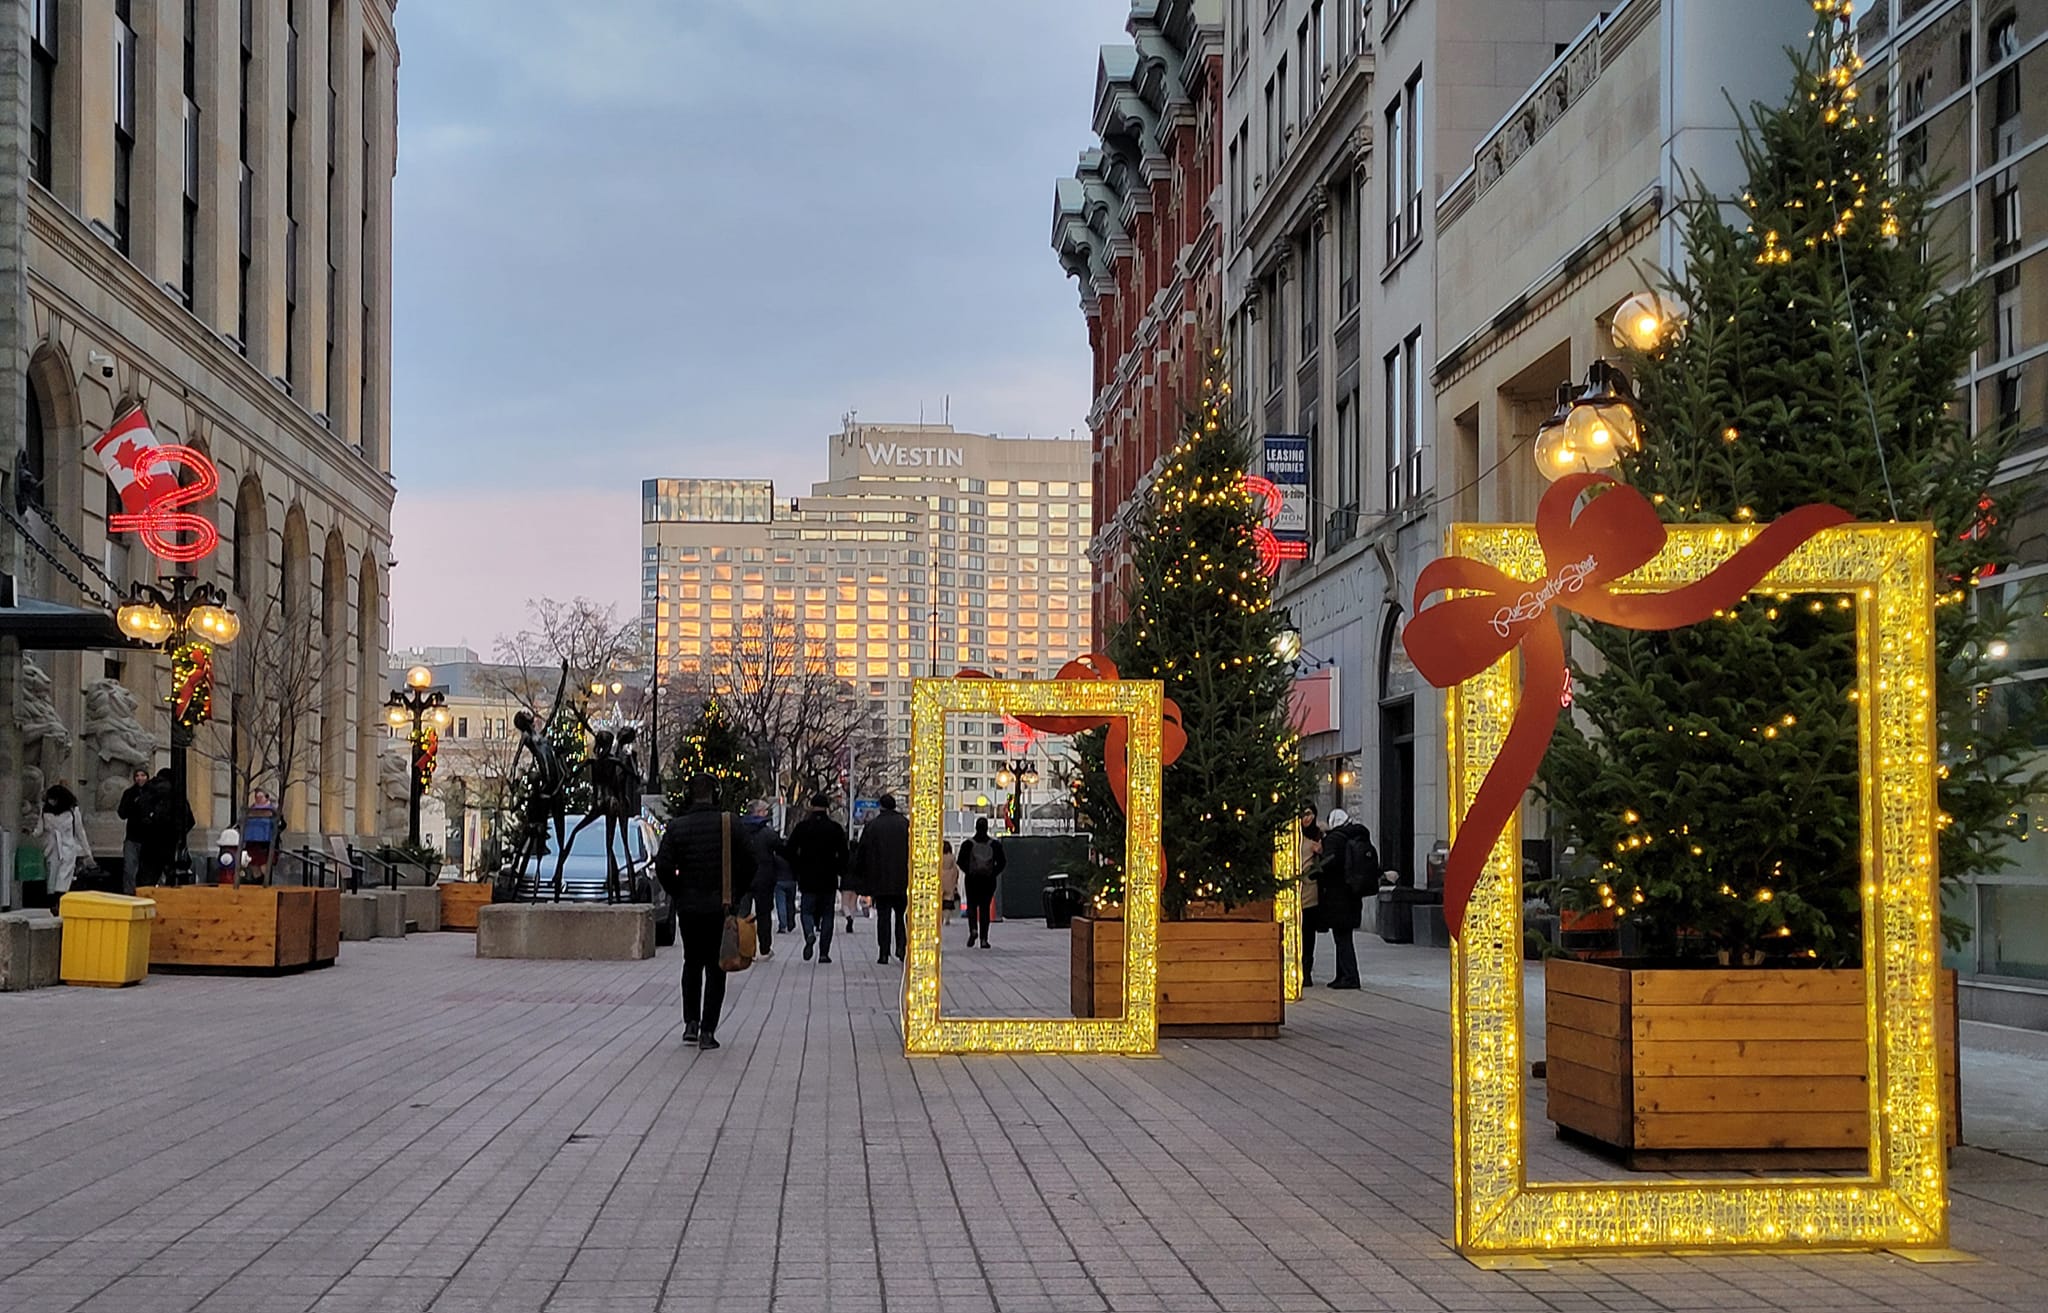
x: 923, y: 551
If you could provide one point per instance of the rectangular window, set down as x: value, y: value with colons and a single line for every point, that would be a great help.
x: 1411, y: 219
x: 124, y: 124
x: 1347, y: 459
x: 1272, y: 129
x: 1396, y: 147
x: 291, y: 196
x: 1304, y: 60
x: 1276, y: 340
x: 1412, y: 438
x: 1347, y: 246
x: 42, y: 86
x: 1319, y: 72
x: 1282, y: 130
x: 246, y: 178
x: 1396, y: 394
x: 188, y: 243
x: 1311, y: 295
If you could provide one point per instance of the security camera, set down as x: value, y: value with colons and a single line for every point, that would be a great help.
x: 105, y: 363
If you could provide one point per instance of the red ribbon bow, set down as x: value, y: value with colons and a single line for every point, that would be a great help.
x: 1173, y: 737
x: 1613, y: 535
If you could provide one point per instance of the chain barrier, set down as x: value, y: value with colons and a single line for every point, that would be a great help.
x: 57, y: 564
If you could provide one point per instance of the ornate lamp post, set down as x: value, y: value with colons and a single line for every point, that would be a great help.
x: 189, y: 619
x: 425, y: 710
x: 1017, y: 776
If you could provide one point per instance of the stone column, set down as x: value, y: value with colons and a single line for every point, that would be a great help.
x: 15, y: 330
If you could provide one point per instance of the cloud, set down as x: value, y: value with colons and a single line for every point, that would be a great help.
x: 682, y: 237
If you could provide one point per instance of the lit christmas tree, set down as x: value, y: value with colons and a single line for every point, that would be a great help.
x: 1717, y: 792
x: 1201, y: 620
x: 713, y: 746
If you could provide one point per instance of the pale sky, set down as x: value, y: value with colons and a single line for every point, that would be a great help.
x: 683, y: 237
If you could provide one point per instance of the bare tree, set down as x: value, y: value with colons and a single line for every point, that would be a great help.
x: 591, y: 638
x: 779, y: 681
x: 274, y: 676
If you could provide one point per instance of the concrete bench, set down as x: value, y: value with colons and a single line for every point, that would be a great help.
x: 422, y: 907
x: 374, y: 914
x: 566, y: 932
x: 31, y: 950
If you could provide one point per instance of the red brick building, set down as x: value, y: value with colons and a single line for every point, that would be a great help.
x: 1139, y: 225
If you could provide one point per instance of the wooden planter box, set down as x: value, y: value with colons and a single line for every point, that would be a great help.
x: 255, y: 927
x: 1217, y: 979
x: 459, y: 902
x: 1720, y: 1068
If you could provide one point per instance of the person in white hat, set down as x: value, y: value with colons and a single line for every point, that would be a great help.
x: 1349, y: 871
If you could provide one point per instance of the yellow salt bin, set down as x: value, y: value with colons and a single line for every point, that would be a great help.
x: 106, y: 939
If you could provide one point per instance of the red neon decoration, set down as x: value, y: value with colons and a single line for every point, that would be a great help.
x: 1270, y: 548
x: 159, y: 518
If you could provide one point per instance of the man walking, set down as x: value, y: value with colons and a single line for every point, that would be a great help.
x: 770, y: 869
x: 706, y: 865
x: 981, y: 866
x: 817, y: 857
x: 1350, y: 867
x: 132, y: 810
x: 881, y: 868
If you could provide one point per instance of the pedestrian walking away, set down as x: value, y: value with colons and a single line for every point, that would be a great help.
x: 949, y: 878
x: 706, y: 865
x: 1311, y: 899
x: 166, y: 821
x: 881, y: 870
x: 137, y: 832
x: 771, y: 868
x: 817, y: 853
x: 1350, y: 868
x: 981, y: 867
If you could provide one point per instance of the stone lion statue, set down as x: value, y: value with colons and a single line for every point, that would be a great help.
x: 394, y: 790
x: 119, y: 744
x: 45, y: 739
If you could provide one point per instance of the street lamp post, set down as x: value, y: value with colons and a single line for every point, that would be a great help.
x: 1017, y: 776
x: 417, y: 705
x: 188, y: 619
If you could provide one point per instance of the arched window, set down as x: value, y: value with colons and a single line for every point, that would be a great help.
x: 34, y: 469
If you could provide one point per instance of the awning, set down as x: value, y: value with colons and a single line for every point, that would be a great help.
x: 53, y: 627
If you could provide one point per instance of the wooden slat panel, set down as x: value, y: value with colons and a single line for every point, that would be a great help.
x: 1608, y: 1089
x: 1752, y: 1093
x: 1240, y: 1011
x: 1238, y: 931
x: 1174, y: 969
x: 294, y: 927
x: 1584, y: 980
x: 326, y: 924
x: 1739, y: 1057
x: 1745, y: 986
x: 459, y: 904
x: 1591, y: 1015
x: 1609, y: 1125
x: 1217, y: 991
x: 208, y: 926
x: 1761, y: 1130
x: 1744, y: 1021
x: 1586, y: 1049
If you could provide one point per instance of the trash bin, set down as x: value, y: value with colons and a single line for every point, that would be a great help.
x: 1394, y: 923
x: 106, y: 939
x: 1063, y: 902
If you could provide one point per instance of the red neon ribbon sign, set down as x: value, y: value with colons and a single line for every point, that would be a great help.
x: 168, y: 532
x: 1584, y: 552
x: 1173, y: 736
x: 1272, y: 549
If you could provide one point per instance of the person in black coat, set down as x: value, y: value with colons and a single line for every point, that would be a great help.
x: 881, y: 870
x: 817, y: 852
x: 770, y: 869
x: 706, y: 885
x: 1349, y: 868
x: 981, y: 868
x: 137, y: 833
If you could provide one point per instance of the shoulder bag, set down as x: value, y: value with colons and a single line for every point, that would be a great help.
x: 736, y: 945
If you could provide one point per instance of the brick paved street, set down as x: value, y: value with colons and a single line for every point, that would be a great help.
x: 416, y: 1129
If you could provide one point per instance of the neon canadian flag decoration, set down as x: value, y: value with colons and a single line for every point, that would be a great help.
x: 143, y: 472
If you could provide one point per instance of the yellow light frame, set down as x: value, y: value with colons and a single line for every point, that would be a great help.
x: 1138, y: 702
x: 1287, y: 909
x: 1903, y: 1201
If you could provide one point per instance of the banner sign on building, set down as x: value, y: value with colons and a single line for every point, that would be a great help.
x: 1287, y: 468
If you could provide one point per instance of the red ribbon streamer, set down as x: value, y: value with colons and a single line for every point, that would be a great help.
x: 1613, y: 535
x: 1173, y: 737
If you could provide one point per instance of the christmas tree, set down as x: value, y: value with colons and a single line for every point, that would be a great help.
x: 1716, y: 793
x: 713, y: 746
x: 1201, y: 620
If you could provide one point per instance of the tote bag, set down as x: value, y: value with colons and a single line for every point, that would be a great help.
x: 736, y: 946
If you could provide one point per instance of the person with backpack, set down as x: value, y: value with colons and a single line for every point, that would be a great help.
x: 166, y: 822
x: 981, y: 866
x: 1349, y: 871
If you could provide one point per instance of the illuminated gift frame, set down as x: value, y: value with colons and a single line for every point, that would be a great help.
x: 1287, y: 909
x: 1140, y: 703
x: 1903, y: 1201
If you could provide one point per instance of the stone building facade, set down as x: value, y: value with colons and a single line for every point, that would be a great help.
x: 206, y: 219
x: 1137, y: 226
